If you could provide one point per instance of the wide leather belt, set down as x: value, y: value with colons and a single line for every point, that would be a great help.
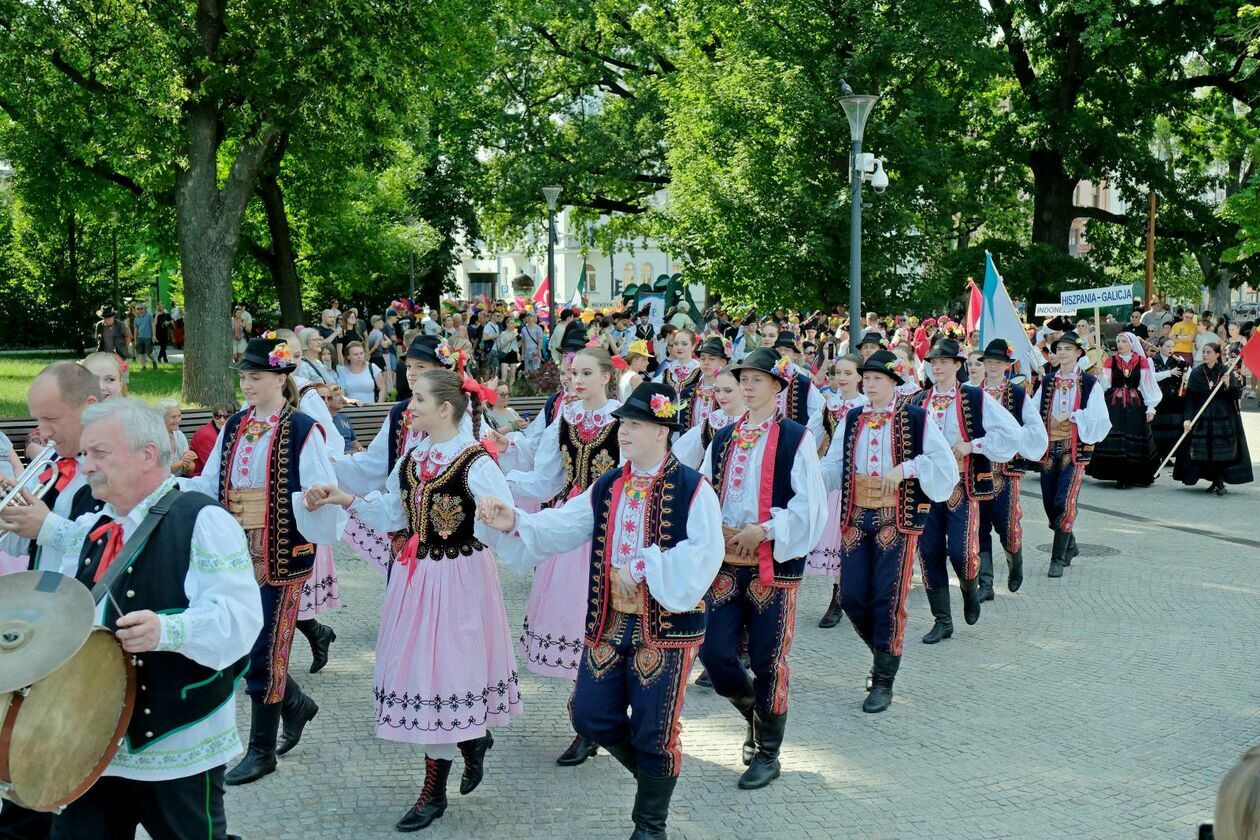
x: 1060, y: 430
x: 870, y: 495
x: 733, y: 556
x: 249, y: 507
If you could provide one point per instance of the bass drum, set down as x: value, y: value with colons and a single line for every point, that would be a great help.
x: 59, y: 734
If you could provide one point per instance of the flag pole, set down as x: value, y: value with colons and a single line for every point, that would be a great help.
x: 1224, y: 378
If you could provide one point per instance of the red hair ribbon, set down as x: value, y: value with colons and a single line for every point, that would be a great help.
x: 485, y: 393
x: 619, y: 363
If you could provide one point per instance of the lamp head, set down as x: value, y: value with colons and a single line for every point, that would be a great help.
x: 551, y: 194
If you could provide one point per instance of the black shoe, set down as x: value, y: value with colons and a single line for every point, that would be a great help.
x: 884, y: 672
x: 971, y: 601
x: 1015, y: 577
x: 1220, y: 490
x: 260, y: 758
x: 1123, y: 485
x: 626, y: 756
x: 651, y: 807
x: 431, y: 803
x: 938, y: 600
x: 1057, y: 552
x: 744, y: 704
x: 1071, y: 550
x: 296, y: 710
x: 986, y: 576
x: 832, y: 616
x: 474, y: 752
x: 1211, y: 488
x: 319, y: 636
x: 578, y: 751
x: 703, y: 680
x: 764, y: 767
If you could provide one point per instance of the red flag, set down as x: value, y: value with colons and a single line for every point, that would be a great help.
x: 1251, y: 354
x: 540, y: 296
x: 975, y: 304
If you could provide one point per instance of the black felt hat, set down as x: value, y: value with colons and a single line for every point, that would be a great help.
x: 424, y: 349
x: 270, y: 355
x: 947, y: 348
x: 715, y: 345
x: 873, y: 338
x: 575, y: 338
x: 768, y: 361
x: 999, y: 351
x: 885, y: 362
x: 1071, y: 337
x: 787, y: 339
x: 651, y: 402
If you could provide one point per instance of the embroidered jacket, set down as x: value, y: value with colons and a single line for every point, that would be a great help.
x: 1081, y: 452
x: 977, y: 470
x: 907, y: 443
x: 440, y: 510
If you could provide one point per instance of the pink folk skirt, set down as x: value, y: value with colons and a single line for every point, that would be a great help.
x: 445, y: 670
x: 555, y: 617
x: 320, y: 592
x: 10, y: 563
x: 825, y: 558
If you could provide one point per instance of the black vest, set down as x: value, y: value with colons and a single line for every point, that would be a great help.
x: 665, y: 525
x: 441, y: 512
x: 907, y: 443
x: 977, y: 471
x: 551, y: 406
x: 1012, y: 398
x: 585, y: 461
x: 796, y: 399
x: 686, y: 390
x: 1081, y: 452
x: 395, y: 434
x: 174, y: 692
x: 790, y: 435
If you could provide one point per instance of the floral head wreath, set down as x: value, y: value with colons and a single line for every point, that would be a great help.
x: 663, y: 408
x: 281, y: 355
x: 781, y: 367
x: 447, y: 355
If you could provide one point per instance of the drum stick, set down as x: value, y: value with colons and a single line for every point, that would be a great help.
x: 121, y: 613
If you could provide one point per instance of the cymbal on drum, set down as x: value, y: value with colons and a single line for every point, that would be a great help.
x: 45, y: 617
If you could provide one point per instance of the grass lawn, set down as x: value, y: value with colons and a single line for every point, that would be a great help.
x: 17, y: 371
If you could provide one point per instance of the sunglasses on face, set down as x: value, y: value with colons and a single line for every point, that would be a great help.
x: 218, y: 415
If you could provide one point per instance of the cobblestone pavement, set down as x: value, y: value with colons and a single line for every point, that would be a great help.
x: 1106, y: 704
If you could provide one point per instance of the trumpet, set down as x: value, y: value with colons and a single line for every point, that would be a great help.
x: 33, y: 479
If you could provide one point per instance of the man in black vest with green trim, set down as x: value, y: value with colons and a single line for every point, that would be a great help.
x: 178, y: 589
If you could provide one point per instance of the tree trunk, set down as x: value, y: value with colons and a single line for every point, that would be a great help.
x: 72, y: 275
x: 283, y: 264
x: 1053, y: 200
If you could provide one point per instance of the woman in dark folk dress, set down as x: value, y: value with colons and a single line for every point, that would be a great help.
x: 1127, y: 455
x: 1217, y: 448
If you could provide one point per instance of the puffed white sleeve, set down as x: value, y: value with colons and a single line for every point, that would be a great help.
x: 1093, y: 422
x: 1104, y: 375
x: 679, y: 576
x: 523, y: 445
x: 936, y: 468
x: 546, y: 479
x: 689, y: 449
x: 538, y: 536
x: 313, y: 406
x: 362, y: 472
x: 323, y: 525
x: 1034, y: 439
x: 208, y: 481
x: 815, y: 425
x: 382, y: 510
x: 1002, y: 432
x: 1151, y: 395
x: 224, y: 612
x: 60, y: 542
x: 832, y: 462
x: 814, y: 403
x: 797, y: 528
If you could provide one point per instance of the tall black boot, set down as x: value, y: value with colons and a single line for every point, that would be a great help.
x: 296, y: 710
x: 971, y: 600
x: 764, y: 768
x: 1071, y: 551
x: 474, y: 752
x: 578, y: 751
x: 651, y: 807
x: 883, y: 674
x: 260, y: 757
x: 628, y: 758
x: 745, y: 703
x: 1057, y: 550
x: 986, y: 576
x: 832, y: 616
x: 319, y: 636
x: 938, y: 600
x: 431, y: 803
x: 1015, y: 577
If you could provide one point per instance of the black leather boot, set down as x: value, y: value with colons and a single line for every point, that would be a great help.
x: 431, y: 803
x: 260, y: 757
x: 832, y: 616
x: 971, y: 600
x: 578, y: 751
x: 296, y: 710
x: 1071, y: 551
x: 764, y: 768
x: 745, y: 703
x: 883, y: 674
x: 938, y: 600
x: 651, y: 807
x: 1015, y: 577
x: 1057, y: 550
x: 474, y: 752
x: 319, y: 636
x: 628, y: 758
x: 703, y: 680
x: 986, y: 576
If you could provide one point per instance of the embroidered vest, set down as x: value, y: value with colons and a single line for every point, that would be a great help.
x: 977, y: 470
x: 175, y: 692
x: 585, y: 461
x: 686, y: 389
x: 781, y: 492
x: 907, y: 443
x: 441, y: 510
x: 664, y: 525
x: 287, y: 555
x: 1012, y: 398
x: 396, y: 434
x: 551, y: 406
x: 1081, y: 452
x: 796, y: 399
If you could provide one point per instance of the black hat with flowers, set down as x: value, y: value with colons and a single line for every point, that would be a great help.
x: 885, y: 362
x: 267, y: 354
x: 423, y: 348
x: 875, y: 338
x: 1070, y: 337
x: 652, y: 402
x: 716, y: 345
x: 768, y: 361
x: 947, y: 348
x: 999, y: 351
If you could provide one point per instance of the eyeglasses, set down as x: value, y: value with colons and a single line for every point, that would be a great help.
x: 219, y: 415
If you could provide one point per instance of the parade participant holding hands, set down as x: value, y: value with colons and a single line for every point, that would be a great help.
x: 890, y: 464
x: 683, y: 373
x: 266, y: 455
x: 774, y: 508
x: 653, y: 527
x: 1074, y: 410
x: 728, y: 407
x: 1003, y: 511
x: 444, y: 631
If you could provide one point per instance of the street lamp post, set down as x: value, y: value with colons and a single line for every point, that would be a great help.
x: 551, y: 194
x: 857, y: 108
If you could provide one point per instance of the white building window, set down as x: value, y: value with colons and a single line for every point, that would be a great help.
x: 590, y: 278
x: 645, y: 276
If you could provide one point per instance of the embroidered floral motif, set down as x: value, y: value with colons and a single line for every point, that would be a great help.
x: 446, y: 713
x: 447, y: 514
x: 761, y: 594
x: 722, y: 588
x: 600, y: 657
x: 648, y: 665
